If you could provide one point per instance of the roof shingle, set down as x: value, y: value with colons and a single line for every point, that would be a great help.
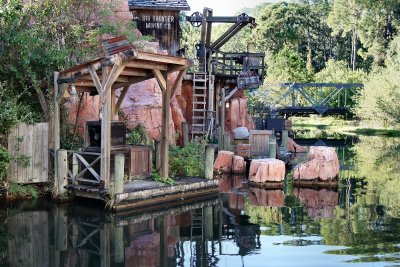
x: 159, y: 4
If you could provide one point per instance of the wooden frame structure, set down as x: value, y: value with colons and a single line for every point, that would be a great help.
x: 103, y: 76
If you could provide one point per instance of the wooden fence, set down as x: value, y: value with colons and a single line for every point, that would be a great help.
x: 28, y: 146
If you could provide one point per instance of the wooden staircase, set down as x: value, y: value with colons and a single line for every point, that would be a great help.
x: 199, y: 104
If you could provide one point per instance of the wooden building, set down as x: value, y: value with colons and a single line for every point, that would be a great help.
x: 160, y: 19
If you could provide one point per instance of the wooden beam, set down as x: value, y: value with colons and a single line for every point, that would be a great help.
x: 115, y: 72
x: 105, y: 133
x: 88, y: 77
x: 177, y: 68
x: 146, y: 65
x: 161, y: 79
x: 166, y: 101
x: 134, y: 72
x: 82, y: 84
x: 96, y: 80
x: 178, y: 81
x: 121, y: 99
x: 159, y: 59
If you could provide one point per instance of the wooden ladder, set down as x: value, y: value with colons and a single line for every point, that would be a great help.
x: 199, y: 104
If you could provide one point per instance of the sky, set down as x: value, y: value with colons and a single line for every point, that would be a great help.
x: 224, y: 7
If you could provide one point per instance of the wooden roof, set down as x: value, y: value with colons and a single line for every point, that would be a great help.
x: 159, y: 4
x: 137, y: 67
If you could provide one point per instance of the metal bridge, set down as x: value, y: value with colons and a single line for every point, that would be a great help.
x: 315, y: 98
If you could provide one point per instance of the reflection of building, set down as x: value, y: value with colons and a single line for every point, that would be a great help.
x: 320, y: 203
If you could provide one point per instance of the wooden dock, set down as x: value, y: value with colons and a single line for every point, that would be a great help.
x: 147, y: 194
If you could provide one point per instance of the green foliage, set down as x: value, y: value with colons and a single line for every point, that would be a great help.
x: 22, y: 191
x: 155, y: 175
x: 187, y: 161
x: 379, y: 103
x: 138, y: 135
x: 339, y: 72
x: 5, y: 159
x: 40, y: 37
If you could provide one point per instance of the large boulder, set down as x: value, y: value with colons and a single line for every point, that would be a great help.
x: 224, y: 161
x: 323, y: 164
x: 292, y: 146
x: 236, y: 114
x: 267, y: 170
x: 238, y: 165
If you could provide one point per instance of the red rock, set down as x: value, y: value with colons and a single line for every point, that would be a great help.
x: 307, y: 171
x: 239, y: 165
x: 267, y: 170
x: 292, y: 146
x: 236, y: 114
x: 323, y: 164
x: 224, y: 183
x: 224, y: 161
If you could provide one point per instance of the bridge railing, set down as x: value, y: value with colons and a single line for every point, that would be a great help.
x: 316, y: 97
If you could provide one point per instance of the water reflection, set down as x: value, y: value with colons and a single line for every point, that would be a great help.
x: 357, y: 222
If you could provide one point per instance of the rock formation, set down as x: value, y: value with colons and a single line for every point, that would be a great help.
x: 238, y: 165
x: 236, y: 114
x: 267, y: 170
x: 323, y: 164
x: 224, y: 162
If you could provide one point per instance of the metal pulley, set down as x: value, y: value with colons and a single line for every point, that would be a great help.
x: 196, y: 19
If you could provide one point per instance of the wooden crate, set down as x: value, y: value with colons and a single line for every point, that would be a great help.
x: 141, y: 160
x: 259, y: 141
x: 243, y: 150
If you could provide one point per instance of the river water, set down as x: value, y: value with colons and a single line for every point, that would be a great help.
x: 354, y: 224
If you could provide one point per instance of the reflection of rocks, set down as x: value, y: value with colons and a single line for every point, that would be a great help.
x: 144, y: 251
x: 320, y: 203
x: 323, y: 164
x: 267, y: 170
x: 267, y: 198
x: 236, y: 202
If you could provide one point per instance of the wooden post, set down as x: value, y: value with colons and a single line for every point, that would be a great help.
x: 222, y: 120
x: 272, y: 147
x: 227, y: 145
x: 157, y: 154
x: 75, y: 168
x: 166, y: 101
x: 163, y: 230
x: 208, y: 222
x: 62, y: 172
x: 209, y: 162
x: 119, y: 165
x: 56, y: 125
x: 61, y: 229
x: 118, y: 237
x: 284, y: 139
x: 105, y: 132
x: 185, y: 133
x: 105, y: 249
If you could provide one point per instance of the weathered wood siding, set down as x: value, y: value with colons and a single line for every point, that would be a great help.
x: 259, y: 140
x: 141, y: 161
x: 28, y: 145
x: 28, y: 243
x: 163, y: 25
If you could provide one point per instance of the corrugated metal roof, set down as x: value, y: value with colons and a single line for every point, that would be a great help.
x: 159, y: 4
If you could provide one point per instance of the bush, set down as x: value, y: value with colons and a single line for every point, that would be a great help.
x: 4, y: 162
x: 22, y: 191
x: 138, y: 136
x: 187, y: 161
